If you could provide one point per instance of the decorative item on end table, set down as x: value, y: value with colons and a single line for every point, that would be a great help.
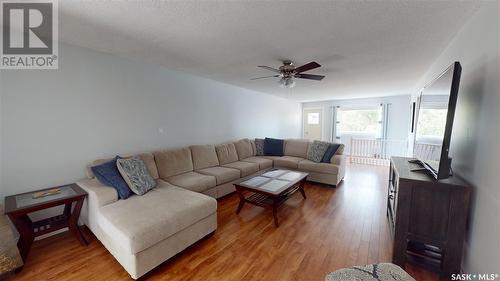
x: 17, y: 207
x: 49, y: 192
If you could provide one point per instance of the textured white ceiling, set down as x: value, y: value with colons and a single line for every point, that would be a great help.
x: 367, y: 48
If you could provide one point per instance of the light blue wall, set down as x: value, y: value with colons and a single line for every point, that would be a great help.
x: 54, y: 122
x: 476, y: 134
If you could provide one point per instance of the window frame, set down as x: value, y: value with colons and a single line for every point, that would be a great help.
x: 380, y: 122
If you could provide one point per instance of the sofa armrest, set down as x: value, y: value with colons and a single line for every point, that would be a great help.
x: 338, y: 159
x: 99, y: 194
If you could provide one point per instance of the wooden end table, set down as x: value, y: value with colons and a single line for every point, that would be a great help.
x: 17, y: 207
x: 271, y: 189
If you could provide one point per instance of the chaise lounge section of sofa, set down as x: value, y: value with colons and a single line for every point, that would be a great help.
x: 142, y: 232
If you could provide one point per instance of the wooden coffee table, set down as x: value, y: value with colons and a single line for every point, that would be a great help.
x: 17, y: 207
x: 271, y: 189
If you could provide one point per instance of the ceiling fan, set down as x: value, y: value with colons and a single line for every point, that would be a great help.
x: 288, y: 72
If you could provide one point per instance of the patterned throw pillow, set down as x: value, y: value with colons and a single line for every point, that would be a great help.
x: 316, y: 150
x: 259, y: 147
x: 135, y: 173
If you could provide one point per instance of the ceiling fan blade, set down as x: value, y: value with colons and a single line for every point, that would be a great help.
x: 306, y: 67
x: 264, y: 77
x: 269, y: 68
x: 310, y: 76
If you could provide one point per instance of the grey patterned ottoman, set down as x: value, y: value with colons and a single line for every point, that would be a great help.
x: 371, y: 272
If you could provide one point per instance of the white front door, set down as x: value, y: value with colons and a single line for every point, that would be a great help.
x: 312, y: 121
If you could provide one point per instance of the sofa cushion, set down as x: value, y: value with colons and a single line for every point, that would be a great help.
x: 142, y: 221
x: 325, y: 168
x: 108, y: 174
x: 259, y: 147
x: 193, y: 181
x: 254, y: 149
x: 226, y: 153
x: 243, y: 148
x: 149, y: 161
x: 263, y: 162
x: 221, y: 174
x: 147, y: 158
x: 316, y: 150
x: 332, y: 149
x: 272, y: 158
x: 297, y: 148
x: 173, y: 162
x: 273, y: 147
x: 337, y: 159
x: 136, y: 175
x: 291, y: 162
x: 246, y: 168
x: 204, y: 156
x: 99, y: 193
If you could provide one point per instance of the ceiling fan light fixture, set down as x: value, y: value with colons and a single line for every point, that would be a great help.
x: 288, y: 82
x: 288, y: 72
x: 281, y: 82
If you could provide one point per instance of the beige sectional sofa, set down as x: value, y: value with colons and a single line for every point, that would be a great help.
x: 143, y: 231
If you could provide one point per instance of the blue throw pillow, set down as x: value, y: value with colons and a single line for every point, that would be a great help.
x: 273, y: 147
x: 108, y: 174
x: 332, y: 148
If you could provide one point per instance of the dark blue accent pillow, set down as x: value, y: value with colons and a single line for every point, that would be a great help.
x: 332, y: 148
x: 108, y: 174
x: 273, y: 147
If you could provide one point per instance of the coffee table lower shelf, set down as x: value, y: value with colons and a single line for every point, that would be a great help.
x: 267, y: 200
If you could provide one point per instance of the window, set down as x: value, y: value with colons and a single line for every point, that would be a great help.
x: 366, y: 122
x: 313, y: 118
x: 431, y: 123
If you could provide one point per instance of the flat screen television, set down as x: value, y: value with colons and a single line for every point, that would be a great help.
x: 436, y: 110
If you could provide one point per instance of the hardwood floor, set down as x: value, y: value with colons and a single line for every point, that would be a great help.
x: 332, y: 228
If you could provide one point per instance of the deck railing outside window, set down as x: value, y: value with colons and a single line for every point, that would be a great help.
x: 375, y: 151
x: 427, y: 151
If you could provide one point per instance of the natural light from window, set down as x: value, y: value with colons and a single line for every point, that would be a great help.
x: 431, y: 123
x: 313, y: 118
x: 359, y: 121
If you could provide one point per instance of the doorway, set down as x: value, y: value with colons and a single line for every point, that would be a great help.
x: 312, y: 123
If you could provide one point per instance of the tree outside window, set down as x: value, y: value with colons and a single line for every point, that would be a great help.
x: 364, y: 122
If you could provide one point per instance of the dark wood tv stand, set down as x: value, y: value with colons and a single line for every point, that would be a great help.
x: 428, y: 218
